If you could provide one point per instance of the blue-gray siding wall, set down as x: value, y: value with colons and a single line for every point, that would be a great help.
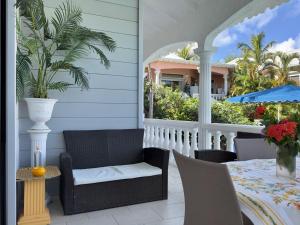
x: 112, y: 100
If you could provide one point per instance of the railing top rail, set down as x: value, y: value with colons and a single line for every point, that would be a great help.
x: 213, y: 127
x: 234, y: 128
x: 172, y: 123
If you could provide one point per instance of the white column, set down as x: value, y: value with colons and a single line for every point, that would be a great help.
x: 157, y: 77
x: 226, y: 84
x: 205, y: 99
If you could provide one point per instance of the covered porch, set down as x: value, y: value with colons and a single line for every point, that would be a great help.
x: 145, y: 31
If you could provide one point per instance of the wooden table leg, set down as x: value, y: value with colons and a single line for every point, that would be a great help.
x: 35, y: 210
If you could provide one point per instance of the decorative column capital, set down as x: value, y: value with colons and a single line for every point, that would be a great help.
x: 205, y: 54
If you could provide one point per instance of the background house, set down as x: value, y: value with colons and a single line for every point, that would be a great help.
x: 184, y: 74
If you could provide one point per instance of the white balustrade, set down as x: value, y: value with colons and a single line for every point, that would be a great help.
x: 183, y: 135
x: 218, y: 97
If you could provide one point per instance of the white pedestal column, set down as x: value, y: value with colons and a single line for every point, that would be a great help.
x: 205, y: 99
x: 38, y: 140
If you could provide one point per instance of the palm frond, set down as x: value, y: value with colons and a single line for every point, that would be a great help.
x: 33, y: 11
x: 59, y: 65
x: 76, y: 51
x: 66, y: 20
x: 101, y: 55
x: 79, y: 76
x: 23, y: 66
x: 107, y: 41
x: 60, y: 86
x: 244, y: 46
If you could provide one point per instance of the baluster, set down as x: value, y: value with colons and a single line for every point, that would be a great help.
x: 145, y: 144
x: 194, y: 143
x: 179, y: 144
x: 186, y: 143
x: 161, y: 137
x: 173, y: 140
x: 148, y: 136
x: 167, y: 138
x: 156, y: 135
x: 217, y: 140
x: 152, y: 137
x: 229, y: 140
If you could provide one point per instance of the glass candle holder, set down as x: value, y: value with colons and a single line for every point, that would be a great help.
x: 37, y: 157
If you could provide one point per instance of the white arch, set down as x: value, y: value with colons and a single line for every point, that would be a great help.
x: 165, y: 50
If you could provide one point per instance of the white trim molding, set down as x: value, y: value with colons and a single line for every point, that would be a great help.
x: 141, y: 71
x: 12, y: 145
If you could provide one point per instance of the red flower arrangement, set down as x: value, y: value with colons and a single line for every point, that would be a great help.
x: 282, y: 133
x: 260, y: 111
x: 285, y: 134
x: 285, y: 129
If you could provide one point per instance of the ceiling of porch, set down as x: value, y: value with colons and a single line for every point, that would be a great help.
x: 169, y: 24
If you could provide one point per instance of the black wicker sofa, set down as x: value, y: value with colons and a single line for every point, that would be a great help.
x: 114, y: 154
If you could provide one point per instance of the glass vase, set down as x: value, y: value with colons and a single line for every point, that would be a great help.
x: 286, y: 162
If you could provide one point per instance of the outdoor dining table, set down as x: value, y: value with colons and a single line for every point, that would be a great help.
x: 264, y: 197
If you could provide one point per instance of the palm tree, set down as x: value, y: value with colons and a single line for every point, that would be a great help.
x: 54, y: 45
x: 279, y: 67
x: 187, y: 53
x: 250, y: 71
x: 257, y: 52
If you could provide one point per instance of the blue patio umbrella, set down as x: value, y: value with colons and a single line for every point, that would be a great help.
x: 282, y: 94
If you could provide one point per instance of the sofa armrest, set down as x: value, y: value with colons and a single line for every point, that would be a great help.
x: 66, y: 183
x: 159, y: 158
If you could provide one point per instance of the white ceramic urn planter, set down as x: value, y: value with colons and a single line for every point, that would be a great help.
x: 40, y: 111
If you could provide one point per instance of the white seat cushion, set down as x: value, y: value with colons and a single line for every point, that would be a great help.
x: 111, y: 173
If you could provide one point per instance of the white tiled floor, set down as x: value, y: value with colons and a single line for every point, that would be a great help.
x: 169, y: 212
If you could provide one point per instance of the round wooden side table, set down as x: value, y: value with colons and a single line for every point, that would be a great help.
x: 35, y: 210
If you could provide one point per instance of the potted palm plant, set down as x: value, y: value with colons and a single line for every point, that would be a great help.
x: 47, y: 46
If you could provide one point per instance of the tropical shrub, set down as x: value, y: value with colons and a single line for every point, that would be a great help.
x: 174, y: 105
x: 224, y: 112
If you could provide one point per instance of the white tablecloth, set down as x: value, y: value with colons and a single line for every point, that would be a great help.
x: 264, y: 197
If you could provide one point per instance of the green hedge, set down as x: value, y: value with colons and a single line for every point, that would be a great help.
x: 175, y: 105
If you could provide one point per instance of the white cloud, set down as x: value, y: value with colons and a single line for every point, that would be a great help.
x: 248, y: 26
x: 256, y: 22
x: 290, y: 45
x: 225, y: 38
x: 295, y: 5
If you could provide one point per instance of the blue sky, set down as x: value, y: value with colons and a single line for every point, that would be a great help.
x: 281, y: 24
